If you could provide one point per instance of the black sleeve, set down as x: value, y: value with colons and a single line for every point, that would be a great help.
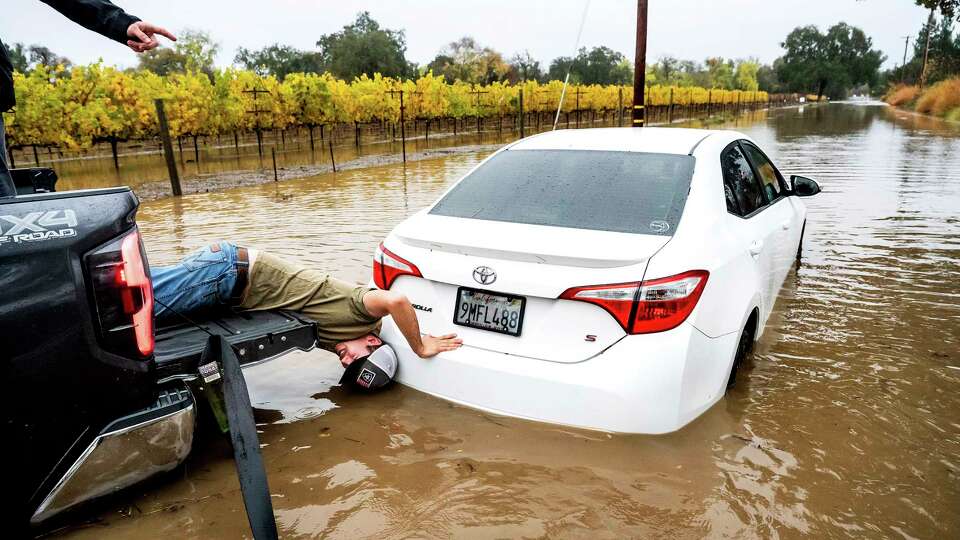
x: 98, y: 15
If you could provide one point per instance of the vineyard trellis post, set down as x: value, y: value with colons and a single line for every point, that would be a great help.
x: 477, y: 93
x: 403, y: 120
x: 332, y: 162
x: 522, y: 122
x: 273, y: 155
x: 257, y: 111
x: 168, y: 149
x: 113, y: 150
x: 620, y: 107
x: 670, y: 108
x: 577, y: 94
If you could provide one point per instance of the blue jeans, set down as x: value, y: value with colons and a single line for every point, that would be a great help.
x: 202, y: 281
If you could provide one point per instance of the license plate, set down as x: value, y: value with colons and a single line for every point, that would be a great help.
x: 495, y: 312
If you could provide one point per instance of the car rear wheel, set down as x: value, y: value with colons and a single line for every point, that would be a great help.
x: 744, y: 346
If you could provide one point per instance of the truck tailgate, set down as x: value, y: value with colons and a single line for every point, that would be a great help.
x: 256, y: 336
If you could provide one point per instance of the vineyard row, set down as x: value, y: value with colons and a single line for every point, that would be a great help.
x: 97, y: 103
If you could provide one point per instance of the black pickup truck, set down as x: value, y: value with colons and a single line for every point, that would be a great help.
x: 94, y: 397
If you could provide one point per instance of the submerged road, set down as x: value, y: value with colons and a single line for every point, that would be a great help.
x: 845, y: 423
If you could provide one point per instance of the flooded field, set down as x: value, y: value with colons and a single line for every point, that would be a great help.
x: 846, y: 421
x: 216, y: 158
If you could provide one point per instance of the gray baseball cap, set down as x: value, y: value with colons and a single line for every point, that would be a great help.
x: 372, y: 372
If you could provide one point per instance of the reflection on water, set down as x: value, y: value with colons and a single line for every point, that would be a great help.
x: 845, y: 423
x: 144, y: 164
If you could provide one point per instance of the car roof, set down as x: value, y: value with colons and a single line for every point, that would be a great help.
x: 661, y: 140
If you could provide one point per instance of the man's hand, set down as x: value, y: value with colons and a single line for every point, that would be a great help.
x: 382, y: 303
x: 142, y: 36
x: 433, y: 345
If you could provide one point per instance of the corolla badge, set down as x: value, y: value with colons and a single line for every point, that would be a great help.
x: 484, y: 275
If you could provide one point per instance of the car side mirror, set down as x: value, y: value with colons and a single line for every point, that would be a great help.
x: 804, y: 187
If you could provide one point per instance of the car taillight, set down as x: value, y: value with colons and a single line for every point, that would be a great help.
x: 388, y: 266
x: 649, y: 306
x: 123, y: 296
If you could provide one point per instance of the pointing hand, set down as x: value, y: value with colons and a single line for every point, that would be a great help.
x: 142, y: 36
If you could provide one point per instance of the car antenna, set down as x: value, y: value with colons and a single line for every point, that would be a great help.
x: 563, y: 92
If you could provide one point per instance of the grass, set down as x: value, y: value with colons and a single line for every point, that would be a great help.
x: 941, y: 99
x: 901, y: 95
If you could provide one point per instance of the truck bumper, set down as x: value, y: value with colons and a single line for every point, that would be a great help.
x: 127, y: 451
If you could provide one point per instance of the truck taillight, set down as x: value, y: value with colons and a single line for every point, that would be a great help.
x: 650, y: 306
x: 388, y: 266
x: 123, y: 295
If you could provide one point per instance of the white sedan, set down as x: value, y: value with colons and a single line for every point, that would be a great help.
x: 609, y: 279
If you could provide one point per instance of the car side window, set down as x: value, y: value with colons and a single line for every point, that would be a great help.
x: 739, y: 180
x: 768, y: 173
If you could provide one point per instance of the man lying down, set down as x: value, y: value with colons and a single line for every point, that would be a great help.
x: 347, y: 316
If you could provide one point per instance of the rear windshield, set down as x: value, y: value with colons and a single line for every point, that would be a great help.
x: 626, y: 192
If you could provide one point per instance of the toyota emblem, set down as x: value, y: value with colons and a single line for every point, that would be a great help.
x: 484, y: 275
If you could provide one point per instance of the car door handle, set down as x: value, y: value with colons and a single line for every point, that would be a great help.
x: 785, y: 225
x: 755, y: 248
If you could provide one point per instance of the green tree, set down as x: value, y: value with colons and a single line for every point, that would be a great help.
x: 693, y: 74
x: 42, y: 56
x: 721, y: 73
x: 767, y: 78
x: 18, y: 57
x: 666, y: 71
x: 829, y: 63
x: 600, y: 65
x: 943, y: 58
x: 363, y: 47
x: 278, y: 60
x: 949, y: 8
x: 466, y: 60
x: 745, y: 75
x: 523, y: 67
x: 193, y: 51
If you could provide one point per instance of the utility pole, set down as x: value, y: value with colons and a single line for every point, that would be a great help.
x: 926, y: 51
x: 903, y: 66
x: 640, y: 65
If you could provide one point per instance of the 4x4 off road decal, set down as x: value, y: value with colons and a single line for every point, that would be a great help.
x: 38, y: 226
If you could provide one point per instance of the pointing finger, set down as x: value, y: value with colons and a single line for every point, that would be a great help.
x: 162, y: 31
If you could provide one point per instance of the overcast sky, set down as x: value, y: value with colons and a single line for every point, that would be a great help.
x: 687, y: 29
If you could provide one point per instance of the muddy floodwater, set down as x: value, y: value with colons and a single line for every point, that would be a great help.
x: 845, y: 423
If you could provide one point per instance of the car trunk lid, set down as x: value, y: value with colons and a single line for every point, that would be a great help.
x: 537, y: 244
x: 536, y: 263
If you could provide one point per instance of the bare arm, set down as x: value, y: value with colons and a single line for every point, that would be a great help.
x: 382, y: 303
